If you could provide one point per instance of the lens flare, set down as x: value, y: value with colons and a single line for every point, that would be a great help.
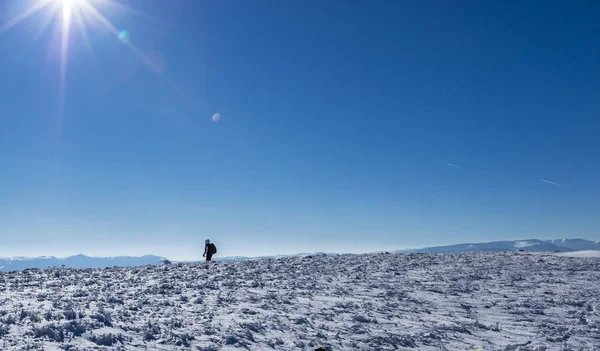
x: 123, y: 36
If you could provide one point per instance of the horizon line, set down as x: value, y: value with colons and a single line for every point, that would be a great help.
x: 284, y: 254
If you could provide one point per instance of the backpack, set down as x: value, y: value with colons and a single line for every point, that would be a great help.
x: 212, y: 249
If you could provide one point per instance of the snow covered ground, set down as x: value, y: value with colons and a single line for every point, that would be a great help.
x: 585, y: 253
x: 468, y: 301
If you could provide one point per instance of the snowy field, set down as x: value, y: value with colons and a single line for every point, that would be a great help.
x: 470, y: 301
x: 586, y: 253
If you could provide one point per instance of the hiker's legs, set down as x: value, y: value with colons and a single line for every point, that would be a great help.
x: 208, y: 259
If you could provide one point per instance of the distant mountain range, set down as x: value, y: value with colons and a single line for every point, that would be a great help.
x: 78, y: 261
x: 83, y: 261
x: 532, y: 245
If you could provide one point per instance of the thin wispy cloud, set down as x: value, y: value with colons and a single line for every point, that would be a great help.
x: 216, y: 117
x: 553, y: 183
x: 453, y: 165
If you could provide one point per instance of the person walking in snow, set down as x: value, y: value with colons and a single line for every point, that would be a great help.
x: 209, y: 250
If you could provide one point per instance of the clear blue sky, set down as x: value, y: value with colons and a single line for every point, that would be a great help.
x: 339, y: 125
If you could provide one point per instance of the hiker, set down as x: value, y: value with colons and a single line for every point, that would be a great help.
x: 209, y: 250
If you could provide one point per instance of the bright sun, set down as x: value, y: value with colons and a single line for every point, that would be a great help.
x: 64, y: 13
x: 69, y: 2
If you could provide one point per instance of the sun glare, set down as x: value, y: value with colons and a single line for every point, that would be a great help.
x: 69, y: 2
x: 70, y: 15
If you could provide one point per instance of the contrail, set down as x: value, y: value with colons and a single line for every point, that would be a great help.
x: 455, y: 166
x: 553, y: 183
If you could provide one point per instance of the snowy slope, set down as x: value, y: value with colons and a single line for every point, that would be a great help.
x: 531, y: 245
x: 469, y: 301
x: 249, y: 258
x: 585, y: 253
x: 577, y: 244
